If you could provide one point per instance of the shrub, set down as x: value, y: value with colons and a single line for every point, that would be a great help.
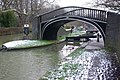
x: 7, y: 19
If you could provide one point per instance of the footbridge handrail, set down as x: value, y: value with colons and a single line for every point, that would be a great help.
x: 88, y: 14
x: 77, y: 11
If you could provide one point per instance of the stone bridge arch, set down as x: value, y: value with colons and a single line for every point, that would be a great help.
x: 50, y: 29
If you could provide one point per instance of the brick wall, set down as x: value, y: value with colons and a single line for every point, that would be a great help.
x: 7, y: 31
x: 113, y: 32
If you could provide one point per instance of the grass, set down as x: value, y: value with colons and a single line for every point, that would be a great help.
x: 20, y: 44
x: 67, y: 69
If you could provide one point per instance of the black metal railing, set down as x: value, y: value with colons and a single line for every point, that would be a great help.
x: 95, y: 14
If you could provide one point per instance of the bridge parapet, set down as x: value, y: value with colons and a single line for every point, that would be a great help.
x: 95, y: 14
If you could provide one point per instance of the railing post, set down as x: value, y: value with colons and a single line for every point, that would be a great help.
x: 39, y: 28
x: 91, y: 13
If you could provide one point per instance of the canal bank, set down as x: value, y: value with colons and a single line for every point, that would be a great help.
x: 91, y: 63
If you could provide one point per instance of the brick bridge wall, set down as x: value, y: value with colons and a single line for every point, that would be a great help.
x: 113, y: 32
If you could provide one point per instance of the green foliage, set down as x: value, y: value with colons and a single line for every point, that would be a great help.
x: 7, y: 19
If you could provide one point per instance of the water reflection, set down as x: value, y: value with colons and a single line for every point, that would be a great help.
x: 29, y: 64
x: 67, y: 49
x: 7, y: 38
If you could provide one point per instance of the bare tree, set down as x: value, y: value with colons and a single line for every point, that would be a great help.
x: 27, y: 9
x: 110, y: 4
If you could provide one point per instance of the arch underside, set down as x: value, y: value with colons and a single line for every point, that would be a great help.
x: 51, y: 28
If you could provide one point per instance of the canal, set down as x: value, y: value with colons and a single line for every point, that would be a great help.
x: 32, y: 64
x: 29, y: 64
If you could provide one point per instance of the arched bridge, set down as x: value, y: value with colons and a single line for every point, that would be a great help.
x: 46, y: 26
x: 49, y: 23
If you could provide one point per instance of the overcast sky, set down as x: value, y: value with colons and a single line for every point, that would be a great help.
x: 81, y: 3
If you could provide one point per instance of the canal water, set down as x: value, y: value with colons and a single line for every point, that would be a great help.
x: 32, y: 64
x: 29, y: 64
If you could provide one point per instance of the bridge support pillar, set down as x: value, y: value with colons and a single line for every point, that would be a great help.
x: 36, y: 28
x: 112, y: 40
